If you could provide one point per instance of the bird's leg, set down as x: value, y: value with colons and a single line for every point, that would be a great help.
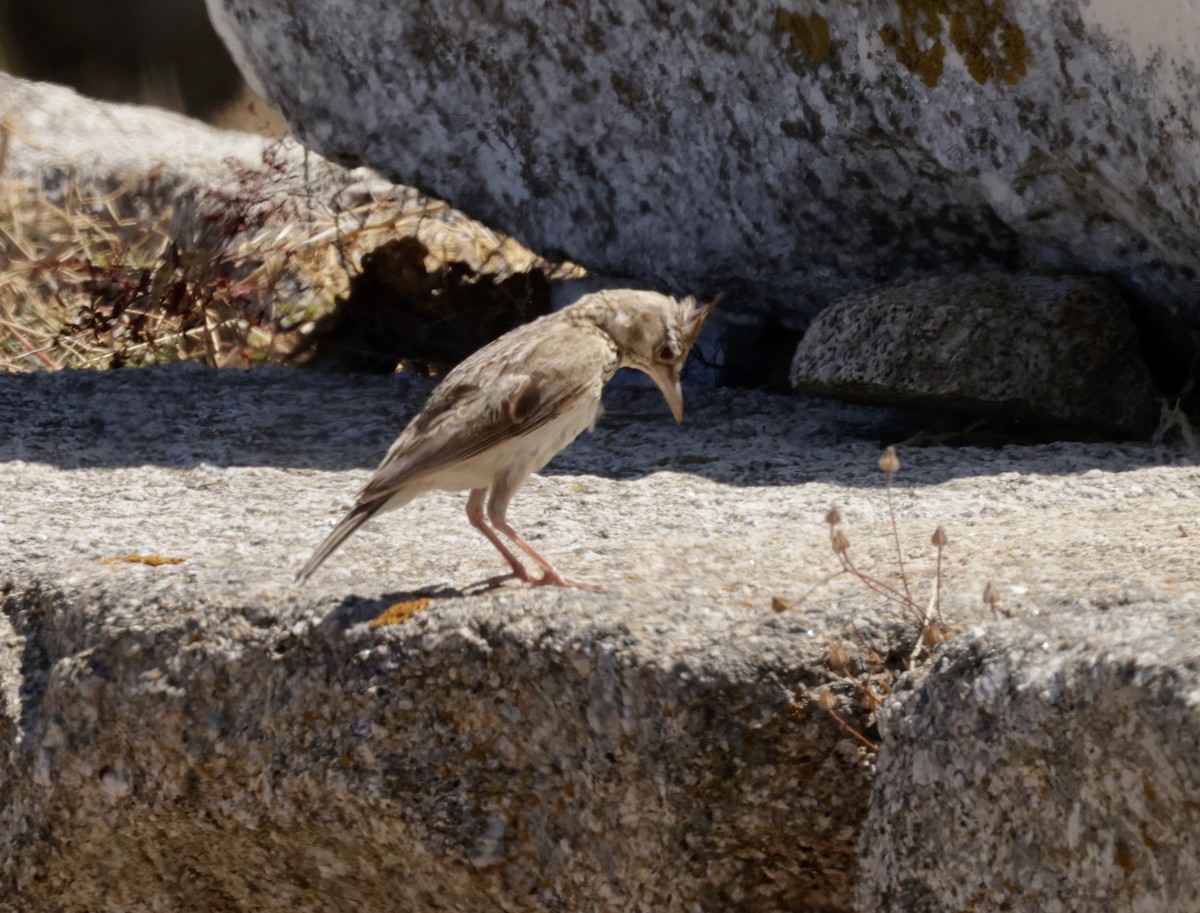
x: 475, y: 515
x: 497, y: 508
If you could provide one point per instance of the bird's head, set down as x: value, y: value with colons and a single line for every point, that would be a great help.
x: 654, y: 334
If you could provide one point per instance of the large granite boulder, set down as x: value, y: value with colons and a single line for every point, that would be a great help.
x: 785, y: 153
x: 1039, y: 352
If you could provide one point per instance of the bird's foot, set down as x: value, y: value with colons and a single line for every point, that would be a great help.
x: 491, y: 583
x: 549, y: 578
x: 554, y: 578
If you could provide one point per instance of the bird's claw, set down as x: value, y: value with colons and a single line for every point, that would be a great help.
x: 548, y: 579
x: 554, y: 578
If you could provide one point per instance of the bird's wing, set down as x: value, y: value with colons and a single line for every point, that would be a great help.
x: 488, y: 400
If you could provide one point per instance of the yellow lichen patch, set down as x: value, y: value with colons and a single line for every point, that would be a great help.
x: 152, y: 560
x: 399, y: 612
x: 807, y: 34
x: 992, y: 45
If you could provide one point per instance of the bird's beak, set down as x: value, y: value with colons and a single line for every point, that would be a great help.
x: 666, y: 378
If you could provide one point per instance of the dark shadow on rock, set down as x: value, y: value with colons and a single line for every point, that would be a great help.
x: 186, y: 416
x: 356, y: 609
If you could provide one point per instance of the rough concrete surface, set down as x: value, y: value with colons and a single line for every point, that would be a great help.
x: 786, y: 153
x: 208, y: 734
x: 1033, y: 350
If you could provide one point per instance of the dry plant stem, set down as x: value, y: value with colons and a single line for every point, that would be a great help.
x: 851, y: 730
x: 914, y: 658
x: 211, y: 343
x: 29, y: 348
x: 861, y: 686
x: 882, y: 588
x: 938, y: 601
x: 887, y: 476
x: 820, y: 583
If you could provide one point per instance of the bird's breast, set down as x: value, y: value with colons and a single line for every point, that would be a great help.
x: 520, y: 454
x: 543, y: 444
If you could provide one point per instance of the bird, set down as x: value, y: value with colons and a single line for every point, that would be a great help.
x: 505, y: 411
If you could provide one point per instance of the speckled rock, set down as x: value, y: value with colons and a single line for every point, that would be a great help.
x: 787, y: 154
x: 1045, y: 767
x: 183, y: 727
x: 207, y: 734
x: 179, y: 751
x: 66, y: 145
x: 1034, y: 350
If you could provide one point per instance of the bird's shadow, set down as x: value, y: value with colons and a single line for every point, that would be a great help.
x: 396, y: 607
x: 355, y: 609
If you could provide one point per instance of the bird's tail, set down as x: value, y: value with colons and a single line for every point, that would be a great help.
x: 352, y: 521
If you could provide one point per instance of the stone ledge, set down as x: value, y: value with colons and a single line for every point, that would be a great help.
x: 207, y: 733
x: 524, y: 753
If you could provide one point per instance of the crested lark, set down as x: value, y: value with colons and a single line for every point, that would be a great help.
x: 509, y: 408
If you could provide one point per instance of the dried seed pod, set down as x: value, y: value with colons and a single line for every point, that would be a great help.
x: 825, y: 699
x: 839, y: 659
x: 840, y: 543
x: 889, y: 462
x: 870, y: 699
x: 931, y: 636
x: 779, y: 604
x: 939, y: 537
x: 834, y: 517
x: 990, y: 598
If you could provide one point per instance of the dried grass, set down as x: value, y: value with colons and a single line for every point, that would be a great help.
x: 226, y: 277
x: 866, y: 670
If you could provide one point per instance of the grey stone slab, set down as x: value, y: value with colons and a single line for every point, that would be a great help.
x: 1045, y: 766
x: 69, y: 146
x: 208, y: 733
x: 178, y: 748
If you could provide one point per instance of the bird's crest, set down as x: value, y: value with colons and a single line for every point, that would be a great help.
x: 692, y: 318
